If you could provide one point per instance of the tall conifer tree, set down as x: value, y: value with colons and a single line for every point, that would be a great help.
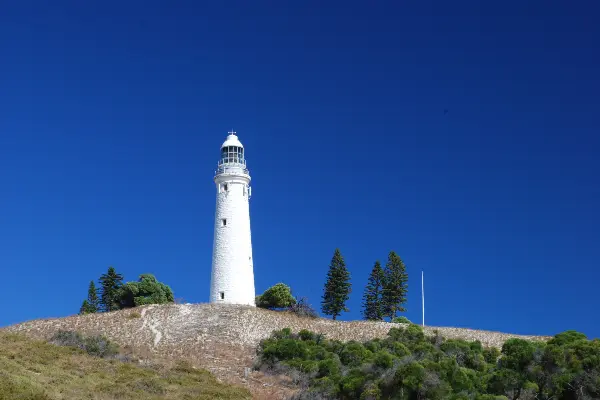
x: 90, y: 305
x: 395, y: 286
x: 109, y: 290
x: 372, y: 298
x: 337, y: 288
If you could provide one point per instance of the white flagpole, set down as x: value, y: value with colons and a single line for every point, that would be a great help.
x: 423, y: 296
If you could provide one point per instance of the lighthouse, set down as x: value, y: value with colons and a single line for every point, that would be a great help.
x: 232, y: 279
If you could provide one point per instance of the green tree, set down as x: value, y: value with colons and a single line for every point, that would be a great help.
x: 395, y: 286
x: 337, y: 288
x: 514, y: 375
x: 85, y: 308
x: 277, y: 296
x: 109, y: 290
x: 90, y: 305
x: 372, y: 302
x: 147, y: 290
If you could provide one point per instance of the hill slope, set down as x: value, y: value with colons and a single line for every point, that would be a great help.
x: 35, y: 370
x: 220, y: 338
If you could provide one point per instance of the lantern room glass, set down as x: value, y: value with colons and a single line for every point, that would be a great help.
x: 232, y: 154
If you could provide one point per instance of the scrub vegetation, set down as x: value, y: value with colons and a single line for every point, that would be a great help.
x: 409, y: 365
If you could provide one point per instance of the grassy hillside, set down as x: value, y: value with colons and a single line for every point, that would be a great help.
x: 36, y: 370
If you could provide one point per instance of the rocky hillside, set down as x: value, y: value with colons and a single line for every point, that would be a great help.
x: 220, y: 338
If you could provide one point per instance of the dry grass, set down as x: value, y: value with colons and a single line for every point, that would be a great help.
x: 134, y: 314
x: 35, y: 370
x: 221, y: 338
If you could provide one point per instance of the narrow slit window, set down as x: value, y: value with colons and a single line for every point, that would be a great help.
x: 224, y: 222
x: 222, y: 295
x: 225, y: 187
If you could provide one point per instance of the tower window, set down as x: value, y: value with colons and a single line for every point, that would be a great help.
x: 224, y: 222
x: 225, y: 187
x: 222, y: 294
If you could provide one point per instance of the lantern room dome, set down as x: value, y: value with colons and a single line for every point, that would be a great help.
x: 232, y: 140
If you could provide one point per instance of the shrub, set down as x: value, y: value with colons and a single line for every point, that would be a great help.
x: 371, y: 392
x: 373, y: 345
x: 329, y: 367
x: 147, y: 290
x: 284, y: 349
x: 96, y: 345
x: 306, y: 366
x: 414, y: 333
x: 354, y: 354
x: 134, y: 315
x: 283, y: 333
x: 424, y: 350
x: 352, y: 384
x: 302, y: 309
x: 277, y: 296
x: 334, y: 346
x: 319, y: 338
x: 491, y: 355
x: 401, y: 320
x: 306, y: 335
x: 317, y: 352
x: 321, y: 389
x: 383, y: 359
x: 400, y: 349
x: 567, y: 337
x: 456, y: 348
x: 410, y: 335
x: 99, y: 346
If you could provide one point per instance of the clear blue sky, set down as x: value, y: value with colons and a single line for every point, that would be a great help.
x: 462, y: 135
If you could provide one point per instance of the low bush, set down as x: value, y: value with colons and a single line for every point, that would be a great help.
x: 383, y: 359
x: 147, y: 290
x: 401, y: 320
x: 97, y: 345
x: 408, y: 365
x: 354, y: 354
x: 303, y: 309
x: 276, y: 297
x: 306, y: 335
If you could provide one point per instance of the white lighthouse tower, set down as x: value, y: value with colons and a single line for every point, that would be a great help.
x: 232, y: 279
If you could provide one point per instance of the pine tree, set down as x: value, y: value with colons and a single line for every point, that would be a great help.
x: 90, y: 305
x: 85, y: 308
x: 395, y: 286
x: 372, y: 298
x: 337, y: 287
x: 109, y: 290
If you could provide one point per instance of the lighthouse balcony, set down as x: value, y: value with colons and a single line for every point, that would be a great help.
x: 231, y: 167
